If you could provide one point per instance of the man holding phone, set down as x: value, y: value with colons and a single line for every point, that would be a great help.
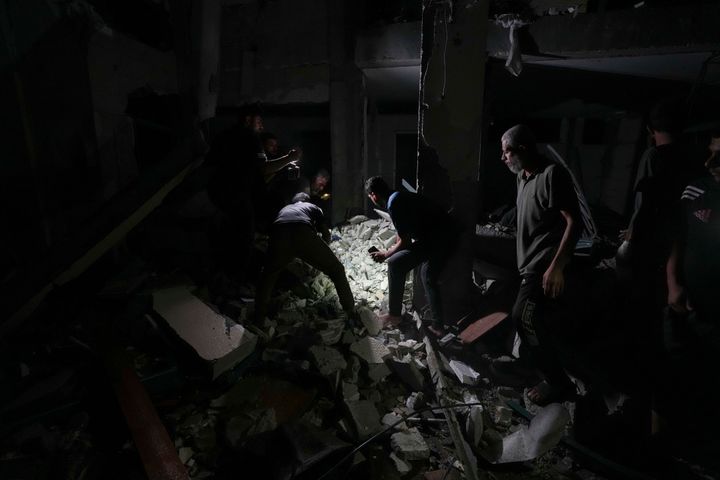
x: 426, y: 237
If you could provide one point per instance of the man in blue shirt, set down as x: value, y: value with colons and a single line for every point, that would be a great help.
x: 426, y: 236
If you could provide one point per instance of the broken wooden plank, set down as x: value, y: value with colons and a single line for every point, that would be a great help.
x: 481, y: 326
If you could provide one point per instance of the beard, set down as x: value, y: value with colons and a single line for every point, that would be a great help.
x: 514, y: 166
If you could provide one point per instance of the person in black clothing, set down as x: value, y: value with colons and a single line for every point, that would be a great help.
x: 294, y: 234
x: 237, y: 187
x: 426, y: 235
x: 548, y: 227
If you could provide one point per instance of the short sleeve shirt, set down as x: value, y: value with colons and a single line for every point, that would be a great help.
x: 300, y: 212
x: 417, y: 217
x: 540, y: 225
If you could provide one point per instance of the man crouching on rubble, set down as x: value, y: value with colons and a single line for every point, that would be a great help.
x: 426, y: 234
x: 548, y: 228
x: 294, y: 234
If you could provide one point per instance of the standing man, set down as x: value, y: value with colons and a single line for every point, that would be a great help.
x: 294, y: 234
x: 237, y: 187
x: 548, y: 228
x: 426, y: 235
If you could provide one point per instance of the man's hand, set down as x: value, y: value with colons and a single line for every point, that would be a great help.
x: 676, y: 298
x: 295, y: 154
x: 380, y: 256
x: 553, y: 282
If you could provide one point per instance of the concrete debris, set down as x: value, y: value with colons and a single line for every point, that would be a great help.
x: 408, y: 372
x: 350, y: 392
x: 370, y: 320
x: 474, y: 426
x: 464, y: 373
x: 402, y: 466
x: 502, y: 416
x: 410, y: 445
x: 544, y: 432
x: 327, y: 359
x: 247, y: 424
x: 391, y: 418
x: 352, y: 371
x: 332, y: 331
x: 219, y: 341
x: 377, y: 372
x: 370, y: 349
x: 446, y: 339
x: 357, y: 219
x: 416, y: 401
x: 365, y: 417
x: 185, y: 454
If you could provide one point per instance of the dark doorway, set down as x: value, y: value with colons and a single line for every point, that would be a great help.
x: 405, y: 159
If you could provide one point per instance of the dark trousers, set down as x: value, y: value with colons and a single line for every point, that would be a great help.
x: 539, y: 320
x: 298, y: 240
x: 432, y: 258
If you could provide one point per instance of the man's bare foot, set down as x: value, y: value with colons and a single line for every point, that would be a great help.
x: 390, y: 321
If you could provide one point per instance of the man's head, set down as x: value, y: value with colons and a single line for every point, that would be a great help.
x: 301, y: 197
x: 518, y: 147
x: 251, y: 117
x: 270, y: 143
x: 666, y: 117
x: 320, y: 182
x: 378, y: 191
x: 713, y: 162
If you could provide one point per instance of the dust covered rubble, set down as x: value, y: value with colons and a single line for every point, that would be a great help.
x: 379, y: 378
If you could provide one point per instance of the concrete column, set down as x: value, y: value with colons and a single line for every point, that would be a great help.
x: 207, y: 56
x: 346, y: 114
x: 453, y: 64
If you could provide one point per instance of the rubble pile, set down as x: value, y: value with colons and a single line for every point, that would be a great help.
x: 353, y: 381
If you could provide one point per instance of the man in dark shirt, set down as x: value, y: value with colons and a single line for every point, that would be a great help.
x: 426, y: 234
x: 294, y: 234
x: 548, y: 226
x: 237, y: 187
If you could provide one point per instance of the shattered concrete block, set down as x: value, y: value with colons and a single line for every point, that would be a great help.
x: 185, y: 454
x: 464, y: 373
x: 502, y: 415
x: 378, y: 372
x: 357, y: 219
x: 218, y: 341
x: 350, y: 392
x: 372, y: 322
x: 365, y: 417
x: 392, y: 418
x: 406, y: 346
x: 415, y: 401
x: 394, y: 335
x: 402, y: 466
x: 247, y: 424
x: 370, y: 349
x: 327, y: 359
x: 411, y: 444
x: 332, y: 331
x: 408, y: 372
x: 365, y: 234
x: 352, y: 370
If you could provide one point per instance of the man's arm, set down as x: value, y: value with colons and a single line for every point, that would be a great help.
x: 400, y: 243
x: 554, y: 278
x: 272, y: 167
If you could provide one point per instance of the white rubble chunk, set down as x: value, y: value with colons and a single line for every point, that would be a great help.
x: 370, y: 349
x: 327, y: 359
x: 365, y: 417
x: 544, y: 432
x: 391, y: 418
x: 372, y: 322
x: 402, y: 466
x: 464, y: 373
x: 216, y: 339
x: 411, y: 444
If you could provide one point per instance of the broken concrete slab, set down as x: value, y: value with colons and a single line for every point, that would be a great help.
x: 474, y: 426
x: 370, y: 349
x: 481, y: 326
x: 378, y: 372
x: 464, y: 373
x: 402, y: 466
x: 365, y: 417
x: 216, y: 339
x: 370, y: 320
x: 415, y: 401
x: 408, y: 372
x: 393, y: 419
x: 327, y: 359
x: 245, y: 425
x: 410, y: 445
x: 350, y: 392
